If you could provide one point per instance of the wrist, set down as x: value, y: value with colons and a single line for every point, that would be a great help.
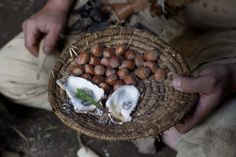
x: 62, y: 6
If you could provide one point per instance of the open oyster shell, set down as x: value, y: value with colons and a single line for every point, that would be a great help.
x: 71, y: 84
x: 123, y: 102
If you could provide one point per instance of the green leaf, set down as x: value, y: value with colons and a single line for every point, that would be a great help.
x: 82, y: 95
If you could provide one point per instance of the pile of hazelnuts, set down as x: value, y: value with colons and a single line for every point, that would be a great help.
x: 112, y: 67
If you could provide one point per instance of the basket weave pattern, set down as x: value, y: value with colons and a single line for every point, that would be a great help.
x: 160, y: 106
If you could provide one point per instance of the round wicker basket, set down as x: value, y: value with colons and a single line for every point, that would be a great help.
x: 160, y: 106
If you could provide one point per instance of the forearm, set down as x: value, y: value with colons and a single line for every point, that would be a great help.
x: 59, y: 5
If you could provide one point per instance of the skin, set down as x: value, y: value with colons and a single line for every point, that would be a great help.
x: 47, y: 23
x: 213, y: 84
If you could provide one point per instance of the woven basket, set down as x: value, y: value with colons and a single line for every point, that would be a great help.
x: 160, y: 106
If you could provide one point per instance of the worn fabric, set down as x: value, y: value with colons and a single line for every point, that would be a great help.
x: 18, y: 75
x: 215, y: 136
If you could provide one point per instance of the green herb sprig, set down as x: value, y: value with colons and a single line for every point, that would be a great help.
x: 82, y: 95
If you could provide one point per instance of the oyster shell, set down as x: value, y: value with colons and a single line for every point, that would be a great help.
x: 72, y: 83
x: 123, y: 102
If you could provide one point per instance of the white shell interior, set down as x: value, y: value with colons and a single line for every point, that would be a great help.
x: 123, y: 102
x: 73, y: 83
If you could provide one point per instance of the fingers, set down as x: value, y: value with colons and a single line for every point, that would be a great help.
x: 51, y: 39
x: 205, y: 107
x: 190, y: 85
x: 31, y: 38
x: 170, y: 137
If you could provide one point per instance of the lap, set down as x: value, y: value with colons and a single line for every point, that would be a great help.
x: 18, y: 72
x: 214, y: 137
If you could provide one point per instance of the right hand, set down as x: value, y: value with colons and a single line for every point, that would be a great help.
x: 49, y: 22
x: 213, y: 84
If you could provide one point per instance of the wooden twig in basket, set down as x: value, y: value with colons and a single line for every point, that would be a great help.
x: 72, y: 51
x: 131, y: 39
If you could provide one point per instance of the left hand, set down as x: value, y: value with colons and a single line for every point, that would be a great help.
x: 212, y: 84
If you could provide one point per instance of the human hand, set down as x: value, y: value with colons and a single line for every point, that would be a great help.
x: 49, y: 22
x: 212, y: 84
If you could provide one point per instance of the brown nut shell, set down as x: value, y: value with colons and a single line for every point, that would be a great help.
x: 97, y: 79
x: 120, y: 49
x: 114, y: 62
x: 152, y: 65
x: 117, y: 84
x: 139, y: 60
x: 130, y: 54
x: 105, y: 86
x: 94, y: 60
x: 143, y: 72
x: 108, y: 52
x: 87, y: 76
x: 130, y: 80
x: 160, y: 75
x: 151, y: 55
x: 105, y: 61
x: 110, y: 71
x: 89, y: 69
x: 99, y: 70
x: 129, y: 64
x: 77, y: 70
x: 122, y: 72
x: 111, y: 79
x: 83, y: 58
x: 97, y: 50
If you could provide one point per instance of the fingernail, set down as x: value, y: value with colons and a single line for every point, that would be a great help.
x: 47, y: 50
x: 176, y: 83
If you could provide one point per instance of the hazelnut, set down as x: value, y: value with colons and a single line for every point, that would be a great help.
x: 110, y: 71
x: 117, y: 84
x: 120, y: 49
x: 129, y: 64
x: 114, y: 62
x: 89, y: 69
x: 130, y: 54
x: 139, y: 60
x: 152, y: 65
x: 151, y: 55
x: 87, y: 76
x: 99, y: 70
x: 111, y: 79
x: 77, y: 70
x: 105, y: 86
x: 97, y: 50
x: 122, y: 72
x: 94, y: 60
x: 130, y: 80
x: 83, y: 58
x: 160, y: 75
x: 97, y: 79
x: 143, y: 72
x: 108, y: 52
x: 105, y: 61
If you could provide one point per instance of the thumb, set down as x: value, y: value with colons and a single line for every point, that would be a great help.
x: 190, y: 85
x: 51, y: 40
